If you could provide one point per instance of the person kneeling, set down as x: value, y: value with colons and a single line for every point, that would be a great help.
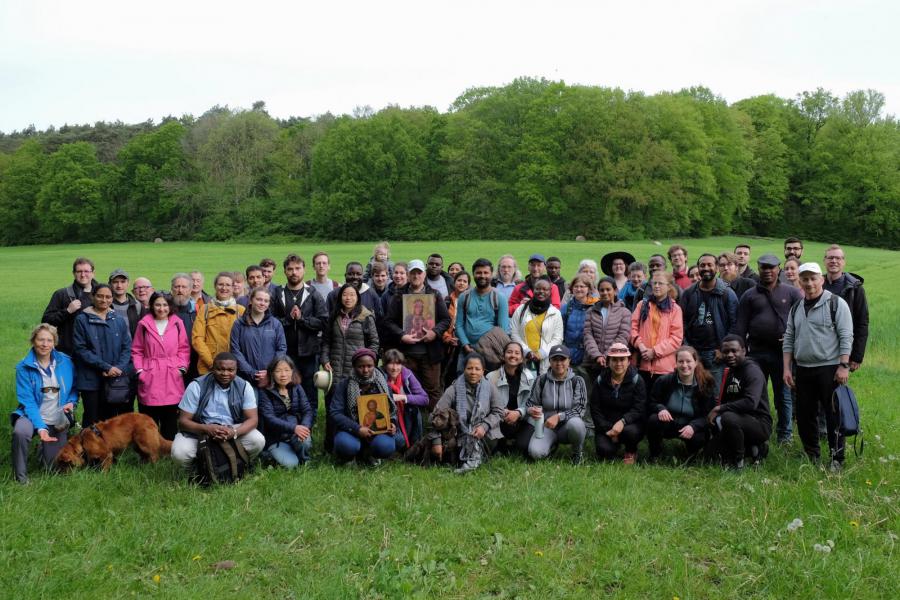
x: 480, y: 410
x: 679, y: 403
x: 219, y: 405
x: 286, y: 414
x: 353, y: 439
x: 618, y: 404
x: 742, y: 422
x: 555, y: 409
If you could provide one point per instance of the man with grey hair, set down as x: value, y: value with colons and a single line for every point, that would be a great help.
x: 818, y: 339
x: 142, y: 290
x: 184, y: 308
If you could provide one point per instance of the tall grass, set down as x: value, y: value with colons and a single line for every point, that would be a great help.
x: 511, y: 529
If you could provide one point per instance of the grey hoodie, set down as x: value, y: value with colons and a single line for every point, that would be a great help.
x: 568, y: 396
x: 813, y: 339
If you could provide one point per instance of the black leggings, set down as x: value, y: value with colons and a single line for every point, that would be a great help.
x: 739, y: 432
x: 165, y: 417
x: 630, y: 438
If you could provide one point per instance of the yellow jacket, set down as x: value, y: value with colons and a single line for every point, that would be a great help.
x: 212, y: 332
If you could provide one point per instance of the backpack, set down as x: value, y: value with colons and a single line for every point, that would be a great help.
x: 843, y: 402
x: 832, y: 308
x: 220, y: 461
x: 495, y: 305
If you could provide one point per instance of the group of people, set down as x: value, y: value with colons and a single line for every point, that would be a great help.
x: 623, y: 351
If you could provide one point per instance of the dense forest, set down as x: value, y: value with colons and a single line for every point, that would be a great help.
x: 532, y: 159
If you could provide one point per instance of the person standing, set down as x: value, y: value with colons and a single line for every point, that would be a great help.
x: 142, y: 290
x: 256, y: 339
x: 537, y: 271
x: 728, y: 272
x: 480, y: 309
x: 321, y: 283
x: 161, y: 353
x: 678, y: 256
x: 301, y: 310
x: 211, y: 333
x: 438, y: 280
x: 68, y: 302
x: 199, y: 297
x: 184, y: 308
x: 268, y: 270
x: 709, y: 309
x: 423, y: 350
x: 818, y: 340
x: 657, y: 329
x: 793, y: 250
x: 353, y: 275
x: 849, y: 286
x: 554, y: 267
x: 507, y: 276
x: 124, y: 303
x: 538, y: 326
x: 761, y: 320
x: 742, y: 253
x: 102, y: 354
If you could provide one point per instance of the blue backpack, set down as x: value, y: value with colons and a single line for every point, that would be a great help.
x: 844, y: 403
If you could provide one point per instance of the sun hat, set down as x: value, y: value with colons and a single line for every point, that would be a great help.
x: 322, y: 379
x: 618, y: 349
x: 607, y: 261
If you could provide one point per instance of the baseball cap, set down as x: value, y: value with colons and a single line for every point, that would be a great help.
x: 415, y: 264
x: 810, y: 267
x: 537, y: 257
x: 118, y: 273
x: 559, y: 350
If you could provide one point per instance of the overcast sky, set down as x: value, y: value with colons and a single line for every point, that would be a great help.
x: 88, y: 60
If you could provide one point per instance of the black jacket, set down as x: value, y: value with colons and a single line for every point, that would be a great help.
x: 663, y: 389
x: 855, y: 296
x: 741, y: 285
x: 279, y: 421
x: 302, y: 335
x: 746, y: 393
x: 394, y: 324
x: 56, y: 314
x: 723, y: 304
x: 762, y: 315
x: 135, y: 312
x: 608, y: 404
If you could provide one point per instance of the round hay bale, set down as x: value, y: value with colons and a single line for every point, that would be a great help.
x: 157, y: 241
x: 580, y: 238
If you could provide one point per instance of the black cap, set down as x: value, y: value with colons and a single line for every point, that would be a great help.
x: 559, y: 350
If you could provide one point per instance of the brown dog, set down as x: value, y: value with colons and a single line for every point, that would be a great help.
x: 107, y: 439
x: 445, y: 427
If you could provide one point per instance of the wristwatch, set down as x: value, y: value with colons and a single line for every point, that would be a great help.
x: 845, y: 365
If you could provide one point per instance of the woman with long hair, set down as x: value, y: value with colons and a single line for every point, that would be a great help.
x: 461, y: 282
x: 514, y: 383
x: 679, y: 403
x: 409, y: 397
x: 286, y: 414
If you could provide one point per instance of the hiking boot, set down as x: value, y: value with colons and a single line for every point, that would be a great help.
x: 785, y: 441
x: 630, y: 458
x: 836, y: 466
x: 736, y: 466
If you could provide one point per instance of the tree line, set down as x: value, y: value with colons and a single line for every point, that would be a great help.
x: 532, y: 159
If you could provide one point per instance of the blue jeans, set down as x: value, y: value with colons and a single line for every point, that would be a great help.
x: 285, y: 456
x: 772, y: 364
x: 347, y: 445
x: 715, y: 368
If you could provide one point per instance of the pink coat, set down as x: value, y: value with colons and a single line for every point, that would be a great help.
x: 668, y: 339
x: 160, y: 358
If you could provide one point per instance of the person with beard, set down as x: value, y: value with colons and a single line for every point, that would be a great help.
x: 125, y: 304
x: 438, y: 279
x: 741, y: 423
x: 303, y: 316
x: 728, y: 272
x: 479, y: 309
x: 353, y: 275
x: 538, y: 326
x: 507, y: 276
x: 709, y: 309
x: 793, y: 250
x: 184, y: 308
x: 211, y: 333
x: 352, y: 440
x: 742, y: 255
x: 68, y: 302
x: 536, y: 271
x: 761, y: 320
x: 423, y: 354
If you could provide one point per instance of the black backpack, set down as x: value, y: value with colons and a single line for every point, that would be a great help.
x: 846, y: 407
x: 220, y: 461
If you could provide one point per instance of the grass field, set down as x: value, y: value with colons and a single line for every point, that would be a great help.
x: 510, y: 530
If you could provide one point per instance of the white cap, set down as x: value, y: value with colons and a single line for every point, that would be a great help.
x: 810, y: 267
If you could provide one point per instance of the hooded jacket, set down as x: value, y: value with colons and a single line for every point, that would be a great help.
x: 338, y: 346
x: 29, y: 384
x: 599, y: 337
x: 745, y: 393
x: 159, y: 360
x: 254, y: 345
x: 566, y: 397
x: 57, y: 313
x: 212, y: 332
x: 627, y: 402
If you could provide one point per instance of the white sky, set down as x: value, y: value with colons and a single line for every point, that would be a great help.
x: 80, y: 61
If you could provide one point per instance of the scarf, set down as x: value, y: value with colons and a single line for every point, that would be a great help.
x: 538, y: 307
x: 482, y: 395
x: 224, y: 303
x: 355, y: 383
x: 396, y: 386
x: 664, y: 305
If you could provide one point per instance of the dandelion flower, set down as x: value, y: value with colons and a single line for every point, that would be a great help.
x: 795, y: 525
x: 538, y: 553
x: 196, y: 557
x: 156, y: 578
x: 854, y: 523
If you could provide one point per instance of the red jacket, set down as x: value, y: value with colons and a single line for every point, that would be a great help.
x: 681, y: 279
x: 523, y: 292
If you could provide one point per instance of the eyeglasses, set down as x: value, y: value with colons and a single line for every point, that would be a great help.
x: 141, y: 288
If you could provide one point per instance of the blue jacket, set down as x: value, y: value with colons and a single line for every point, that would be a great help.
x: 254, y: 345
x: 574, y: 313
x: 278, y: 421
x: 723, y: 304
x: 99, y: 345
x: 29, y: 383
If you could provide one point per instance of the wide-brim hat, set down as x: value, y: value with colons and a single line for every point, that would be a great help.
x: 322, y: 380
x: 607, y: 261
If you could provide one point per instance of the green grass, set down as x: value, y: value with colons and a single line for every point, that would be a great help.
x: 509, y: 530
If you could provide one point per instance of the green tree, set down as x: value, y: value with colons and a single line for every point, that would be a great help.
x: 20, y: 184
x: 70, y: 201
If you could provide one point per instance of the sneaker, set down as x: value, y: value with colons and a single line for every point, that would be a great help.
x: 630, y: 458
x: 736, y: 466
x: 785, y: 441
x: 467, y: 467
x: 577, y: 457
x: 836, y: 466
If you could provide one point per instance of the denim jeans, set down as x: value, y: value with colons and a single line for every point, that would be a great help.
x: 347, y: 445
x: 285, y: 455
x: 772, y: 364
x: 715, y: 368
